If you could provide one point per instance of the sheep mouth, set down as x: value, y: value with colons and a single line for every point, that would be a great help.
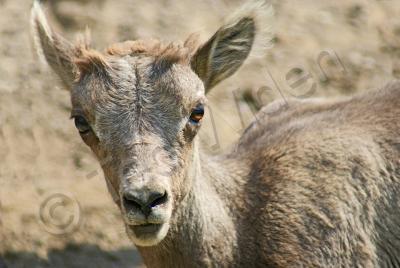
x: 145, y: 229
x: 148, y: 234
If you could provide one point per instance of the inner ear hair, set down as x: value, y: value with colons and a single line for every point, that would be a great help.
x: 229, y: 49
x: 247, y: 32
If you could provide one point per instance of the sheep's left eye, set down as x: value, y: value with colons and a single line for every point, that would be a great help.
x: 197, y: 114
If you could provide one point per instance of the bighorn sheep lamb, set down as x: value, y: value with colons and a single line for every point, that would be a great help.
x: 309, y: 184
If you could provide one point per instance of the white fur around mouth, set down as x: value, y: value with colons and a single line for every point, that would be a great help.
x: 147, y: 234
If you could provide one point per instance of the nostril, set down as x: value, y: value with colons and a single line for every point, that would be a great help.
x: 131, y: 201
x: 158, y: 199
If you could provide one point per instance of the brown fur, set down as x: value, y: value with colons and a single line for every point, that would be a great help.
x: 87, y: 59
x: 310, y: 183
x: 172, y: 52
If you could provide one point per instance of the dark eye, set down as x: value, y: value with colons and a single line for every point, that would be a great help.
x: 197, y: 114
x: 81, y: 124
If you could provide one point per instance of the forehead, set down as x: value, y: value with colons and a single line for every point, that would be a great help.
x: 137, y: 66
x: 127, y: 79
x: 133, y: 91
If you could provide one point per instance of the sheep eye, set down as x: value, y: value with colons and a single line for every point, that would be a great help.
x: 81, y: 124
x: 197, y: 114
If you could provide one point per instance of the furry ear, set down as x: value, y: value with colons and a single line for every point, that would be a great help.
x: 56, y: 51
x: 249, y: 30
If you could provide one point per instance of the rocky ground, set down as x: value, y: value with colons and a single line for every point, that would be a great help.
x: 343, y: 47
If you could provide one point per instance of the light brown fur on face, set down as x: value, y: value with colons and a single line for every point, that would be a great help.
x: 311, y: 183
x: 140, y: 131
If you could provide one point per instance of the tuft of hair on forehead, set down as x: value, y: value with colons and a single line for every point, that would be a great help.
x: 163, y: 53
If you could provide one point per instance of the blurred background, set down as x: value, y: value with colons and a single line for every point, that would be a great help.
x: 55, y: 210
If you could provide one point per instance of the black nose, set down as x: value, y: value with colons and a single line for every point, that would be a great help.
x: 144, y: 200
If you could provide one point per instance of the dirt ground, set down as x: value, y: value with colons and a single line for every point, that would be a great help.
x: 54, y: 207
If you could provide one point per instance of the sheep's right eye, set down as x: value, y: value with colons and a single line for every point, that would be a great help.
x: 81, y: 124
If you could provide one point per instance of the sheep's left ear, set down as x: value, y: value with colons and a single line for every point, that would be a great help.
x: 223, y: 54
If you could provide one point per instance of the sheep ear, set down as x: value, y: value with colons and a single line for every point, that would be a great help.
x: 223, y: 54
x: 56, y: 51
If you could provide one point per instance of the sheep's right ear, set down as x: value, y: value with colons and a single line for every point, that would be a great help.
x: 57, y: 51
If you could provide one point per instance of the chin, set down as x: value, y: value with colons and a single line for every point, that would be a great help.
x: 147, y: 235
